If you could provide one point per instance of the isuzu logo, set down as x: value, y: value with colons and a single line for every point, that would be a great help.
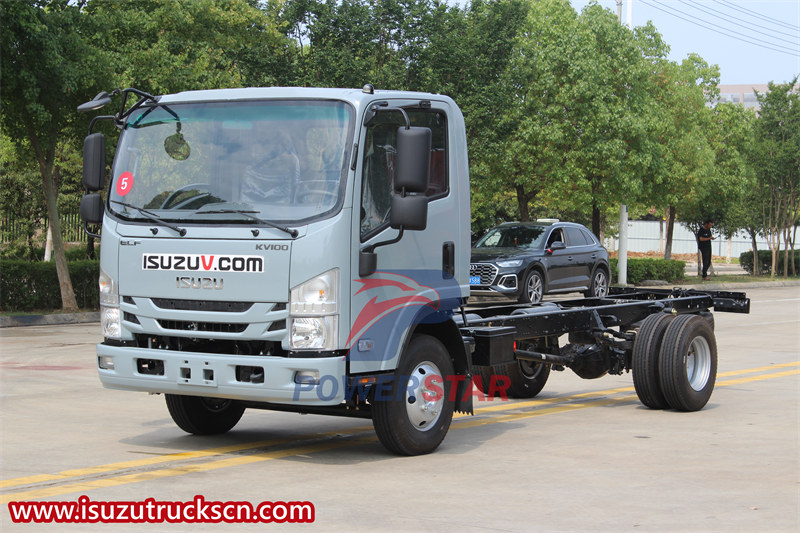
x: 188, y: 282
x: 203, y: 263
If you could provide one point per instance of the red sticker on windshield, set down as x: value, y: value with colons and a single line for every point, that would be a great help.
x: 124, y: 183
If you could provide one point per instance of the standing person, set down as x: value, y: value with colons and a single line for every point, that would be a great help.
x: 704, y: 239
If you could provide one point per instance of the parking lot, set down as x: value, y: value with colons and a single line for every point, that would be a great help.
x: 582, y: 456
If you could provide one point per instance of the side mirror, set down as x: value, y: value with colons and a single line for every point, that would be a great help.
x: 92, y: 208
x: 409, y: 203
x: 413, y: 159
x: 94, y: 162
x: 409, y: 212
x: 557, y: 245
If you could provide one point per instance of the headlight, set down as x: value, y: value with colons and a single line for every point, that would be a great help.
x: 109, y: 307
x: 511, y: 263
x: 313, y: 311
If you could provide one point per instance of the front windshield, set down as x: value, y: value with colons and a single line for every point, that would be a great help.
x: 282, y: 161
x: 513, y: 237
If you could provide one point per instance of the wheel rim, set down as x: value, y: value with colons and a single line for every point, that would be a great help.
x: 529, y: 369
x: 534, y: 288
x: 424, y: 396
x: 698, y: 363
x: 215, y: 404
x: 600, y: 284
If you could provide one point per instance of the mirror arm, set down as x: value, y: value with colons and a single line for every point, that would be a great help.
x: 368, y: 259
x: 100, y: 117
x: 89, y: 232
x: 376, y: 108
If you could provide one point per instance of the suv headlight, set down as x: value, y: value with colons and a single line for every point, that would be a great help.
x: 510, y: 263
x: 314, y: 313
x: 109, y: 307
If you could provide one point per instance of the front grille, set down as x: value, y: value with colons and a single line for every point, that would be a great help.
x: 202, y: 305
x: 486, y: 271
x: 212, y: 327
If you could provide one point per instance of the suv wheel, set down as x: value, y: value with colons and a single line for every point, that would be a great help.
x: 533, y: 288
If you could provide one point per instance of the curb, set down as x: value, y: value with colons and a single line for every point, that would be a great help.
x: 48, y: 320
x: 730, y: 286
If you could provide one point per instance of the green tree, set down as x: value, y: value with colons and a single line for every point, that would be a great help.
x: 166, y: 46
x: 777, y: 162
x: 48, y: 68
x: 575, y: 111
x: 682, y: 158
x: 721, y: 195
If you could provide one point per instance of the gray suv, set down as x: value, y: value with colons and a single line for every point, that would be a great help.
x: 526, y: 260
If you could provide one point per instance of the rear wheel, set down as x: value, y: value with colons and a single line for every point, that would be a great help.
x: 412, y: 416
x: 527, y: 379
x: 688, y: 363
x: 204, y: 416
x: 646, y: 360
x: 599, y: 286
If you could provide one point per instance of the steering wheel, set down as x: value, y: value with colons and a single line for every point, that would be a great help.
x: 167, y: 204
x: 316, y: 191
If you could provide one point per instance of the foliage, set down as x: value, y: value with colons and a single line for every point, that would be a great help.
x: 765, y: 262
x: 641, y: 269
x: 721, y: 194
x: 777, y: 163
x: 27, y: 286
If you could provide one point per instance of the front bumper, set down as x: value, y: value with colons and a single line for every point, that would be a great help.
x: 215, y: 375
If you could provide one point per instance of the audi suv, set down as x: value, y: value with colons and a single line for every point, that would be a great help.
x: 526, y: 260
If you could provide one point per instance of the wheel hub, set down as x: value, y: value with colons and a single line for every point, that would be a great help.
x: 424, y: 396
x: 698, y: 363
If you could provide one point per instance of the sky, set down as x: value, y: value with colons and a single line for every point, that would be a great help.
x: 762, y: 42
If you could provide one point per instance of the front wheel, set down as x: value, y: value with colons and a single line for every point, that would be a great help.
x: 203, y: 416
x: 533, y: 288
x: 413, y: 414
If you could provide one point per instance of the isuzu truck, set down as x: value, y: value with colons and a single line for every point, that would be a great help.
x: 307, y: 250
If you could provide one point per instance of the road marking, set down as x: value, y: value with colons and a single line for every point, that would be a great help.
x: 331, y: 440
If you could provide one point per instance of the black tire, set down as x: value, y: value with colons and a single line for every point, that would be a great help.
x: 688, y: 363
x: 598, y: 288
x: 410, y: 418
x: 527, y: 379
x: 647, y: 360
x: 485, y: 375
x: 203, y: 416
x: 533, y: 288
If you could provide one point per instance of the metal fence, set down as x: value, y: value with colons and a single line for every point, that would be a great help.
x: 71, y: 229
x: 651, y: 236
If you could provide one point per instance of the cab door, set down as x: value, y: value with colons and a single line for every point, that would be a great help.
x: 411, y: 279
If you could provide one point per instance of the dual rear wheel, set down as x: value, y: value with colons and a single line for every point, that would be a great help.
x: 675, y: 362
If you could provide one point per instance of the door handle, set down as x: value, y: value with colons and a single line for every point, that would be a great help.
x: 448, y: 260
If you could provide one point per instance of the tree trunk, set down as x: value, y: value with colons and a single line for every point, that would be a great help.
x: 596, y: 229
x: 670, y: 232
x: 68, y: 302
x: 523, y: 200
x: 45, y: 160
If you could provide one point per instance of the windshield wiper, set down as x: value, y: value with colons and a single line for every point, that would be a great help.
x: 293, y: 232
x: 152, y: 216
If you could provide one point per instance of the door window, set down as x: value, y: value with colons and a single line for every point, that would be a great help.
x: 380, y: 158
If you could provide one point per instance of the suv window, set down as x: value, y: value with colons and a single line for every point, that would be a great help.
x: 555, y: 236
x: 379, y: 158
x: 575, y: 237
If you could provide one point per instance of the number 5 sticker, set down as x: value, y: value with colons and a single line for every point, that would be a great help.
x: 124, y: 183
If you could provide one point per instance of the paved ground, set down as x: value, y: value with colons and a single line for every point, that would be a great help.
x: 584, y: 456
